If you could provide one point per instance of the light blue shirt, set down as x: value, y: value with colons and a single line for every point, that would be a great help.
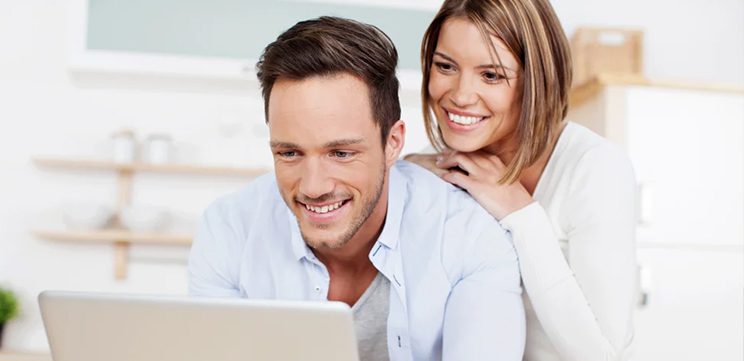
x: 454, y: 278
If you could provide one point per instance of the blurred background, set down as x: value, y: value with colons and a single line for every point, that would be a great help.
x: 120, y: 121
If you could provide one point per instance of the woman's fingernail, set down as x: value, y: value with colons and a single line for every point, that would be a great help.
x: 439, y: 159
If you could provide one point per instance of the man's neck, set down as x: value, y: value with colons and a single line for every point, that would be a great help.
x: 349, y: 267
x: 353, y: 257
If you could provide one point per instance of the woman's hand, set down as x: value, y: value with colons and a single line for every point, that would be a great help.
x: 479, y: 173
x: 427, y: 161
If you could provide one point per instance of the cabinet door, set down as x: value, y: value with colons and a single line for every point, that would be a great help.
x: 694, y: 308
x: 688, y: 151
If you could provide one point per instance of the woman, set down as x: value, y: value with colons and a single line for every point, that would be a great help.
x: 497, y: 75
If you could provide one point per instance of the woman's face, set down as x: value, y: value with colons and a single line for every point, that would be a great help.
x: 475, y: 106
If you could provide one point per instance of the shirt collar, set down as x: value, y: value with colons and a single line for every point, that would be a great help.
x: 299, y: 247
x: 396, y: 201
x: 388, y: 237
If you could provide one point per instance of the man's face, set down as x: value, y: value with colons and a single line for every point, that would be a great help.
x: 329, y: 162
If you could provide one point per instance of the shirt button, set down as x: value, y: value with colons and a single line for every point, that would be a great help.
x: 317, y: 289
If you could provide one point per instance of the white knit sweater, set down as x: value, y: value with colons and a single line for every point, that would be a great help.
x: 576, y: 248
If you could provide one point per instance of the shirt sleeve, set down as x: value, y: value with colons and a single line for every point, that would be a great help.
x: 586, y: 308
x: 210, y: 272
x: 484, y: 316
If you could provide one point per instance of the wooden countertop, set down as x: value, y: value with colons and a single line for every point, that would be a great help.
x: 24, y: 356
x: 583, y: 92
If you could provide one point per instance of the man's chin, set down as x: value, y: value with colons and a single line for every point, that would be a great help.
x: 317, y: 242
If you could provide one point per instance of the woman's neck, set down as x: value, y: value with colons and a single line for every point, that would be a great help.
x: 530, y: 176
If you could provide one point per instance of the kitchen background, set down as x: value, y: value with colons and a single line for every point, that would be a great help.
x: 79, y: 79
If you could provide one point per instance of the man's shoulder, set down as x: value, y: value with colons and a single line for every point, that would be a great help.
x: 428, y: 196
x: 446, y: 222
x: 436, y: 211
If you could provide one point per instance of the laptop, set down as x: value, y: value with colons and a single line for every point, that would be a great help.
x: 107, y: 327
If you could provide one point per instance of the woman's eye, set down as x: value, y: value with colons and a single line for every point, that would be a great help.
x: 492, y: 77
x: 445, y: 67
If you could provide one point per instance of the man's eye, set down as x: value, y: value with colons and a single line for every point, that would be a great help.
x: 287, y: 154
x: 342, y: 154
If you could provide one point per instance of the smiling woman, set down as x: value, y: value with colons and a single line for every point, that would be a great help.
x: 495, y: 94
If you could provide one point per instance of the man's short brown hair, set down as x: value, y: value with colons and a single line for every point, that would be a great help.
x: 331, y: 45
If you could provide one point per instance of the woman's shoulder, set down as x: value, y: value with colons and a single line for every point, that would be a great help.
x: 581, y: 148
x: 592, y: 163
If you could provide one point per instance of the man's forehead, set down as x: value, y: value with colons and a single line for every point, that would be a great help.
x: 315, y: 111
x: 339, y: 94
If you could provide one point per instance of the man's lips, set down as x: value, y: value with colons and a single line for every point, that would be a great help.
x: 324, y: 212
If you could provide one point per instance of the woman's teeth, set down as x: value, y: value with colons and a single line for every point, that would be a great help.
x: 324, y: 209
x: 461, y: 119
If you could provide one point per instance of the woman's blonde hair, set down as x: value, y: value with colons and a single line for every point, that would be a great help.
x: 532, y: 32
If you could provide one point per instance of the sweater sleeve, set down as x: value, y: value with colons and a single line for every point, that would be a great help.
x: 586, y: 307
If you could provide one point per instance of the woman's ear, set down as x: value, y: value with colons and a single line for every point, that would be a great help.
x: 395, y: 141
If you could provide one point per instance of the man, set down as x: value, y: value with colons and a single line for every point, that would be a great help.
x: 428, y: 273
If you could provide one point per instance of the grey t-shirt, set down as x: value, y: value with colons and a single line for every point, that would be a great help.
x: 370, y: 320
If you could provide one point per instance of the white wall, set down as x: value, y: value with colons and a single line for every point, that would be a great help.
x: 684, y: 39
x: 701, y: 41
x: 46, y: 111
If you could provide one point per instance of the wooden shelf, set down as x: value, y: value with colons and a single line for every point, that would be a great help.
x: 114, y: 236
x: 121, y: 239
x: 84, y: 164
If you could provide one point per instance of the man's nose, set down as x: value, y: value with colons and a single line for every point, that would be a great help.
x: 316, y: 180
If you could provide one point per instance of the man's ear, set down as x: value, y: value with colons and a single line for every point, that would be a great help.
x: 395, y: 141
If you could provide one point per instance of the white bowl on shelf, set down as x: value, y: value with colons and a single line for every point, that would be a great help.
x: 144, y: 218
x: 84, y: 216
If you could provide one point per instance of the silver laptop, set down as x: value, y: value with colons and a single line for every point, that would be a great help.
x: 105, y: 327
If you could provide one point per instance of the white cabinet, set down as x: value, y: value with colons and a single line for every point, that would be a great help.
x: 688, y: 151
x: 694, y: 307
x: 687, y: 148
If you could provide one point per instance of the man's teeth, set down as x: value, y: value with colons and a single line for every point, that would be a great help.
x: 324, y: 209
x: 461, y: 119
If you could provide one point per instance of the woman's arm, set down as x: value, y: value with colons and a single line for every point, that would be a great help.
x: 585, y: 308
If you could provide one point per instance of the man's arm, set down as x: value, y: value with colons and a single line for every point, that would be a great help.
x: 484, y: 318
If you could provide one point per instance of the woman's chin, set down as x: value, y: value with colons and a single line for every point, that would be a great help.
x: 462, y: 145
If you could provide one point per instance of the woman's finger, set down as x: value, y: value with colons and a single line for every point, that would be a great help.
x: 458, y: 160
x: 458, y: 178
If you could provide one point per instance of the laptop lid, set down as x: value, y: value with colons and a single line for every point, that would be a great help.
x: 96, y: 327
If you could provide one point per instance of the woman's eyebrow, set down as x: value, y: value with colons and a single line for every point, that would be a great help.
x: 483, y: 66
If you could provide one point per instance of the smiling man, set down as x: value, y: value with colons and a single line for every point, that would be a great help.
x: 428, y: 273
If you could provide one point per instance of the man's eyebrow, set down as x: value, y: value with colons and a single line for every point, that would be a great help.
x: 278, y: 144
x: 484, y: 66
x: 343, y: 142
